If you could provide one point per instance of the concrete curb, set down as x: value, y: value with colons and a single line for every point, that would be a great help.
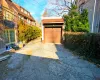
x: 4, y: 57
x: 2, y: 50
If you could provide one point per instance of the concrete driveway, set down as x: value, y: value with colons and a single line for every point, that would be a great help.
x: 37, y: 61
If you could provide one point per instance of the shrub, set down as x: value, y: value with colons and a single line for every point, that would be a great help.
x: 75, y: 21
x: 32, y: 33
x: 87, y: 44
x: 27, y: 33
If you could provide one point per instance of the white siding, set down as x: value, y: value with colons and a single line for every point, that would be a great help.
x: 90, y: 6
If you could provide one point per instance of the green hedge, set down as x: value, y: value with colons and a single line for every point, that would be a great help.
x: 87, y: 45
x: 27, y: 33
x: 32, y: 33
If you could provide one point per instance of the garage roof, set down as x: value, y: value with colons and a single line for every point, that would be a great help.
x: 52, y: 20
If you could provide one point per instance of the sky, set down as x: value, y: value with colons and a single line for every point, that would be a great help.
x: 35, y: 7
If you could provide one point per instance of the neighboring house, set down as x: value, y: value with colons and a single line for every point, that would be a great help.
x: 93, y: 7
x: 10, y: 14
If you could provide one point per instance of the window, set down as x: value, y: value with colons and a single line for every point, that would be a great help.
x: 7, y: 15
x: 6, y: 37
x: 12, y: 35
x: 9, y: 35
x: 28, y: 21
x: 25, y: 12
x: 20, y: 17
x: 22, y: 10
x: 12, y: 17
x: 0, y: 7
x: 28, y: 14
x: 33, y: 23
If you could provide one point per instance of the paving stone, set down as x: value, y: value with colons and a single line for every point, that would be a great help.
x: 49, y: 62
x: 15, y: 61
x: 86, y: 78
x: 87, y: 72
x: 96, y: 72
x: 57, y: 68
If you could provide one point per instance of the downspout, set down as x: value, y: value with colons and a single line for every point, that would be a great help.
x: 42, y: 29
x: 42, y: 32
x: 16, y: 33
x: 93, y: 16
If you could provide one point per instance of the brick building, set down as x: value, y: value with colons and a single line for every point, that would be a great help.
x: 93, y: 7
x: 10, y: 14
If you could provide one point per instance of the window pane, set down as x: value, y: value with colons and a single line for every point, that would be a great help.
x: 6, y: 36
x: 12, y: 36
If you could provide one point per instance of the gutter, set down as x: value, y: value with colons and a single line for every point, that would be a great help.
x: 93, y: 16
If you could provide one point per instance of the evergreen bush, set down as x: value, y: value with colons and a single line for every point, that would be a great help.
x: 75, y: 21
x: 87, y: 45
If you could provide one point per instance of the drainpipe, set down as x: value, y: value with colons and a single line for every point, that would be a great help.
x: 42, y: 32
x: 42, y: 29
x: 93, y: 16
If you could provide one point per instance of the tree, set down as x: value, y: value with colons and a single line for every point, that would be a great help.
x: 75, y: 21
x: 21, y: 30
x: 59, y: 7
x: 84, y: 20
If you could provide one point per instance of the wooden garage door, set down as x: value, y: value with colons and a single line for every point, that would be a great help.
x: 52, y: 35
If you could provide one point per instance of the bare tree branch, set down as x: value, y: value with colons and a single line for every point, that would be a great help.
x: 59, y: 6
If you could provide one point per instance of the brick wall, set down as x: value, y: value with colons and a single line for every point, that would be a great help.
x: 0, y: 1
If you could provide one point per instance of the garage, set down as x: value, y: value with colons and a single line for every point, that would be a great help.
x: 52, y: 30
x: 52, y: 35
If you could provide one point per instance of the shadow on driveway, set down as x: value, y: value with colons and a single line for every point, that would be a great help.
x: 37, y: 61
